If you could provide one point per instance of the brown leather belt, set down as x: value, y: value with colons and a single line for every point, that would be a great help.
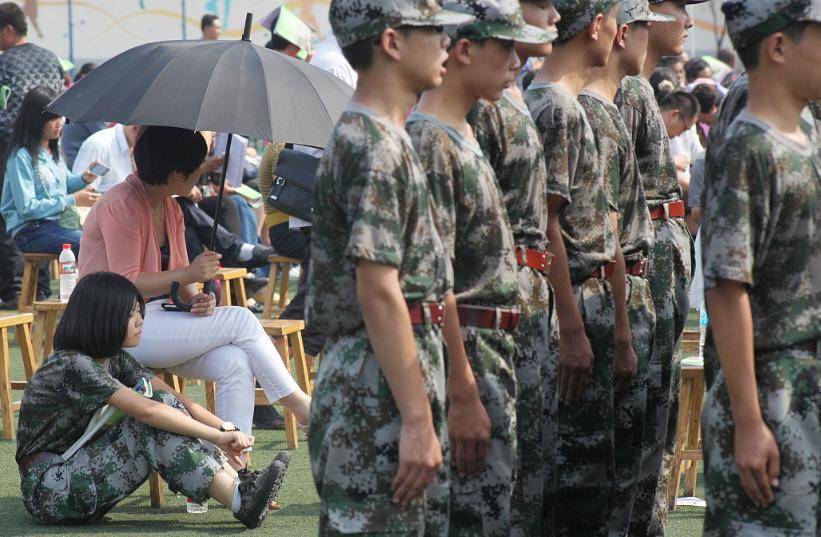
x: 436, y: 313
x: 665, y: 211
x: 638, y: 268
x: 604, y: 272
x: 492, y: 318
x: 535, y: 259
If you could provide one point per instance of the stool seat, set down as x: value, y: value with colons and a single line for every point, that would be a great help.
x: 31, y: 264
x: 45, y: 326
x: 52, y: 304
x: 22, y: 326
x: 233, y: 278
x: 230, y: 274
x: 279, y: 265
x: 282, y: 327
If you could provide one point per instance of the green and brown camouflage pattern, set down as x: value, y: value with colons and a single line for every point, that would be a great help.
x: 578, y: 15
x: 750, y: 21
x: 496, y: 19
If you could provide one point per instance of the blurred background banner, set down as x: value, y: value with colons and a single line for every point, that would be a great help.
x: 95, y: 30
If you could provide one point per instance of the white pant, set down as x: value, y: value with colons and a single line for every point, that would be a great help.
x: 229, y: 347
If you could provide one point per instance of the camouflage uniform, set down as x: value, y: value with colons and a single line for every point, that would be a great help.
x: 669, y: 275
x: 57, y: 406
x: 579, y: 502
x: 622, y: 179
x: 511, y: 143
x: 760, y: 227
x: 478, y: 237
x: 372, y: 204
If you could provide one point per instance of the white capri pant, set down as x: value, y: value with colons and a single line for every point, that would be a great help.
x: 229, y: 347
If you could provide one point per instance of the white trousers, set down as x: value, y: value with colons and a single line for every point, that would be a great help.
x: 229, y: 347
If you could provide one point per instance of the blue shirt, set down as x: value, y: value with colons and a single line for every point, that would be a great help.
x: 27, y: 198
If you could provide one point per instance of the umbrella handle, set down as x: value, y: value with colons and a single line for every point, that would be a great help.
x: 207, y: 288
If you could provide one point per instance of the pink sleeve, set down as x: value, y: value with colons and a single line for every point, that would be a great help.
x: 121, y: 230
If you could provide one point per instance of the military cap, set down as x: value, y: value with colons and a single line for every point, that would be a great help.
x: 355, y: 20
x: 688, y: 2
x: 496, y: 19
x: 639, y: 11
x: 752, y: 20
x: 578, y: 15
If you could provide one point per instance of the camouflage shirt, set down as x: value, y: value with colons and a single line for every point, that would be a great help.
x: 371, y: 203
x: 573, y: 172
x: 645, y: 124
x: 469, y: 211
x: 760, y: 226
x: 621, y: 175
x: 64, y: 393
x: 510, y: 141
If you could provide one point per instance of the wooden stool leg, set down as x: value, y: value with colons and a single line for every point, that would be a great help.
x: 49, y: 328
x: 242, y: 298
x: 283, y: 286
x: 6, y: 402
x: 693, y: 434
x: 300, y: 362
x: 156, y: 488
x: 225, y: 293
x: 269, y: 291
x: 291, y: 436
x: 26, y: 349
x: 681, y: 437
x: 29, y: 287
x: 211, y: 396
x: 37, y: 337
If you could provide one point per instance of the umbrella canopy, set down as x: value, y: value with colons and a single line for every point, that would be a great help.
x: 225, y: 86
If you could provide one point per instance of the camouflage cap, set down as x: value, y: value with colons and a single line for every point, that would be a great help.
x: 688, y: 2
x: 497, y: 19
x: 355, y: 20
x: 639, y: 11
x: 749, y: 21
x: 578, y: 15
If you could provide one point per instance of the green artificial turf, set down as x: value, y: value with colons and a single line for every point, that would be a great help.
x: 134, y: 516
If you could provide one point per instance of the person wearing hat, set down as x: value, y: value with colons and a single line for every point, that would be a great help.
x: 634, y: 229
x: 510, y: 141
x: 761, y: 251
x: 479, y: 240
x: 379, y: 276
x: 670, y: 261
x: 583, y: 244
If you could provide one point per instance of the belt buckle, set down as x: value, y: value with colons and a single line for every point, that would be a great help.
x: 438, y: 315
x: 666, y: 211
x: 521, y: 254
x: 497, y: 321
x: 642, y: 266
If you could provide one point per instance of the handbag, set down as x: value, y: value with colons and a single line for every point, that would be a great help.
x: 70, y: 217
x: 292, y: 191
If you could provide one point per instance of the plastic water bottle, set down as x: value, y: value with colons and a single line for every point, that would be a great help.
x: 193, y: 507
x: 702, y: 327
x: 68, y: 272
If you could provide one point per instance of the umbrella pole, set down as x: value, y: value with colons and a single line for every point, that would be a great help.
x: 213, y: 245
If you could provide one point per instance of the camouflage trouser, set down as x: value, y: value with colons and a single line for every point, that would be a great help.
x: 112, y: 466
x: 585, y: 452
x: 535, y: 444
x: 789, y: 395
x: 669, y: 277
x: 480, y: 506
x: 630, y: 406
x: 354, y: 441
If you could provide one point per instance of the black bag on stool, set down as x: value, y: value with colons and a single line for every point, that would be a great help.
x: 292, y: 191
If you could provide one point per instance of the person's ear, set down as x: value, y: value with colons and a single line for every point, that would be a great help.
x: 595, y: 27
x: 462, y: 51
x: 392, y: 43
x: 774, y: 48
x: 621, y: 36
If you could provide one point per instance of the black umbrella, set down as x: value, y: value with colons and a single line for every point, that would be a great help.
x: 226, y: 86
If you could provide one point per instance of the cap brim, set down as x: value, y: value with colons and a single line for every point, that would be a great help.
x: 528, y: 34
x: 442, y: 18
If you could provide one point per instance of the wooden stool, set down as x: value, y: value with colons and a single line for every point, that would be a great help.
x: 282, y: 265
x: 690, y: 342
x: 30, y: 267
x: 237, y: 277
x: 22, y: 324
x: 45, y: 324
x: 688, y: 430
x: 156, y: 491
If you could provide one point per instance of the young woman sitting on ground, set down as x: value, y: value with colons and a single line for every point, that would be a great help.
x: 137, y: 230
x: 168, y: 433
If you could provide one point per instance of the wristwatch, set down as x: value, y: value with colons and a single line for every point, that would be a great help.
x: 228, y: 427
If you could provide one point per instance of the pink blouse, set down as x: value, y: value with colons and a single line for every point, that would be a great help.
x: 118, y: 235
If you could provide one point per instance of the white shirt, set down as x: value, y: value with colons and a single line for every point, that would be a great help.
x: 110, y: 148
x: 329, y: 58
x: 687, y: 144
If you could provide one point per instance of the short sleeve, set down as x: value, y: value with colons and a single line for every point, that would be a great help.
x: 376, y: 203
x: 486, y: 120
x: 634, y: 121
x: 553, y: 124
x: 129, y: 371
x: 728, y: 241
x: 86, y: 384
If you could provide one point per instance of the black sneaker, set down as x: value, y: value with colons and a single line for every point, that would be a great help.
x: 257, y: 490
x: 267, y: 418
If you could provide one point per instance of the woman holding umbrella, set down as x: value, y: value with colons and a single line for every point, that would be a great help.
x: 137, y: 230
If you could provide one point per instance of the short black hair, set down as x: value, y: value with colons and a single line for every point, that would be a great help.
x: 160, y: 151
x: 208, y: 20
x: 682, y: 101
x: 277, y: 43
x: 667, y: 61
x: 664, y: 82
x: 707, y: 96
x: 11, y: 14
x: 84, y: 70
x: 693, y: 67
x: 360, y: 54
x: 95, y: 321
x: 727, y: 56
x: 750, y: 54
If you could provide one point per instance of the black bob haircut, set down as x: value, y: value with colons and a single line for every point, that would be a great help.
x: 95, y: 322
x: 11, y: 14
x: 208, y: 20
x: 160, y: 151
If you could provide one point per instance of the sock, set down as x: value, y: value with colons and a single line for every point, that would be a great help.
x: 235, y: 503
x: 246, y: 252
